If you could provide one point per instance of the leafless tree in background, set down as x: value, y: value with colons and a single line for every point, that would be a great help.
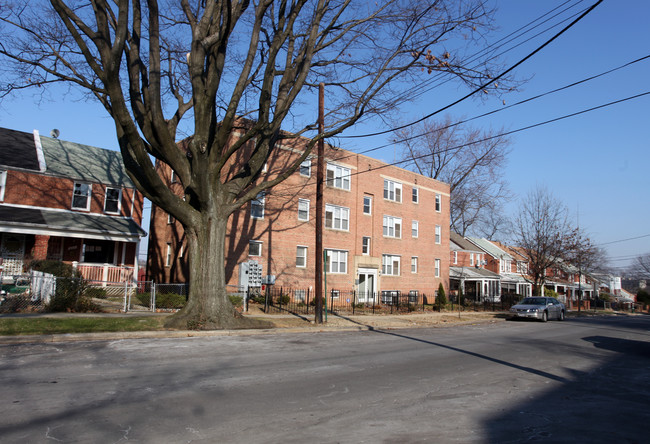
x: 472, y: 162
x: 169, y: 68
x: 543, y: 233
x: 640, y: 268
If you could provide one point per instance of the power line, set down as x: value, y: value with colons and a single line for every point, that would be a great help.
x: 485, y: 85
x: 494, y: 111
x: 624, y: 240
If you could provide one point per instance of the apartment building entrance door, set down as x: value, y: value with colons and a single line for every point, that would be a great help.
x: 367, y: 285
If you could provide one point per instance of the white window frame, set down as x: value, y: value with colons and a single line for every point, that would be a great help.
x: 369, y: 199
x: 173, y: 178
x: 438, y: 234
x: 392, y: 227
x: 414, y: 264
x: 301, y: 257
x: 415, y: 228
x: 338, y: 177
x: 455, y: 257
x: 436, y: 268
x: 168, y: 255
x: 303, y: 202
x: 258, y: 202
x: 415, y: 195
x: 305, y: 164
x: 438, y: 203
x: 390, y: 264
x: 365, y: 245
x: 471, y: 259
x: 3, y: 184
x: 89, y: 194
x: 258, y: 245
x: 338, y: 257
x: 339, y: 217
x: 392, y: 191
x: 119, y: 200
x: 170, y: 219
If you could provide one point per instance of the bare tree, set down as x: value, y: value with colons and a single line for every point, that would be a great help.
x: 543, y: 233
x: 166, y: 68
x: 471, y: 161
x: 583, y: 254
x: 640, y: 268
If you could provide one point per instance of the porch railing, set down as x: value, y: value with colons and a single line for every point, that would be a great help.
x: 106, y: 272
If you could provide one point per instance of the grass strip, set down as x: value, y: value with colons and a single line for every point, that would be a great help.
x: 48, y: 326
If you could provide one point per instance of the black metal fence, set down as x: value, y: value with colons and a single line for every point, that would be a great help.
x: 302, y: 301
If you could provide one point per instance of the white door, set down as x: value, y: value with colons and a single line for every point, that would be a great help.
x: 367, y: 285
x: 12, y: 252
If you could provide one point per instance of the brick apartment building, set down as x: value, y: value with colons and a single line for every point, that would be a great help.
x: 385, y: 228
x: 65, y: 201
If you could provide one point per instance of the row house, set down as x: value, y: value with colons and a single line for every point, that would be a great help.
x: 570, y: 283
x: 386, y: 229
x: 508, y: 264
x: 467, y: 273
x: 69, y: 202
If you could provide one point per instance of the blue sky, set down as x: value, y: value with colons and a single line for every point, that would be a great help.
x: 597, y: 163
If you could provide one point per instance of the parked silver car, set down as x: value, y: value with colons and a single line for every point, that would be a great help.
x: 539, y: 307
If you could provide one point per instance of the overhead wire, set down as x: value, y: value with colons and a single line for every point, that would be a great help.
x: 486, y: 84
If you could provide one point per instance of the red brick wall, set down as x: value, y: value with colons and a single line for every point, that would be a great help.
x: 38, y: 190
x: 281, y: 232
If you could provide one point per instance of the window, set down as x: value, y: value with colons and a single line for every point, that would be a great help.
x: 3, y: 184
x: 337, y: 217
x: 437, y: 268
x: 392, y: 190
x: 337, y: 261
x: 414, y: 264
x: 168, y: 255
x: 257, y: 206
x: 305, y: 168
x: 455, y: 257
x: 174, y: 178
x: 112, y: 200
x: 522, y: 268
x: 338, y: 177
x: 416, y: 195
x: 335, y: 294
x: 471, y: 259
x: 170, y: 219
x: 390, y: 265
x: 438, y: 234
x: 303, y: 209
x: 501, y: 266
x: 414, y: 228
x: 299, y: 295
x: 367, y: 205
x: 392, y: 226
x: 365, y: 245
x: 180, y: 252
x: 254, y: 248
x: 301, y: 257
x: 438, y: 203
x: 81, y: 196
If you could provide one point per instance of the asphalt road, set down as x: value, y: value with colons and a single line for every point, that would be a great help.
x: 582, y: 380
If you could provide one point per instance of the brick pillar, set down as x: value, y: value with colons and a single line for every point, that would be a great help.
x: 40, y: 246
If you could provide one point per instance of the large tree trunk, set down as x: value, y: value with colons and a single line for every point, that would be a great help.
x: 208, y: 306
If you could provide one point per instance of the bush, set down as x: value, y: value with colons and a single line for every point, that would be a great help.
x: 96, y: 292
x: 313, y: 302
x: 57, y: 268
x: 643, y: 297
x: 550, y: 293
x: 259, y: 300
x: 236, y: 300
x: 144, y: 299
x: 441, y: 300
x: 170, y: 300
x: 284, y: 299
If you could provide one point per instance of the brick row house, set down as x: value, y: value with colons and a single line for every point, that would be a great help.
x: 65, y: 201
x: 386, y: 229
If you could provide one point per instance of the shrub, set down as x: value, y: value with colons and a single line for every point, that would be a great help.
x: 96, y: 292
x: 57, y: 268
x: 550, y: 293
x: 643, y: 296
x: 313, y: 302
x: 259, y: 300
x: 442, y: 298
x: 72, y: 292
x: 236, y: 300
x: 284, y: 299
x: 144, y: 298
x: 170, y: 300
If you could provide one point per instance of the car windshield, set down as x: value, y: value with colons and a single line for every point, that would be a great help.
x: 534, y: 301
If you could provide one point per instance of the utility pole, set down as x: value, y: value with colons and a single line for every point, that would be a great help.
x: 319, y: 206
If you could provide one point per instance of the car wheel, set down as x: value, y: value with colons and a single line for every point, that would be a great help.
x: 544, y: 316
x: 561, y: 316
